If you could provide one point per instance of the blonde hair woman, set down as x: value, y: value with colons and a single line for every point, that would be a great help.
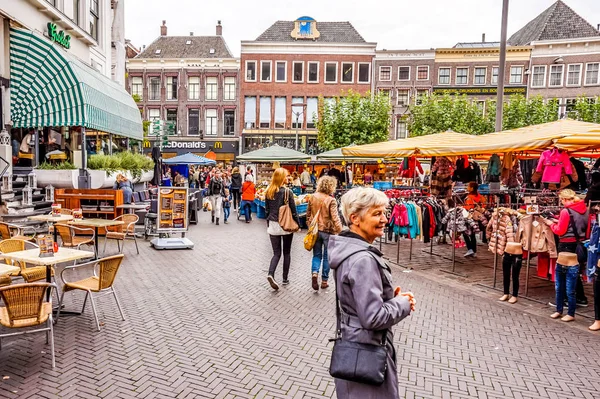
x: 281, y: 240
x: 122, y: 183
x: 329, y: 222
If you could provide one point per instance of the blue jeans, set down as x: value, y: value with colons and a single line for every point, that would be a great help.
x: 320, y: 255
x: 247, y: 207
x: 226, y: 213
x: 566, y: 281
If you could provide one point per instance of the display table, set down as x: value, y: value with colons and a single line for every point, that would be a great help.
x: 96, y: 224
x: 51, y: 219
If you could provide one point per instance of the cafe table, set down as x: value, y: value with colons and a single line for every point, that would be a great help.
x: 51, y: 219
x: 96, y: 224
x: 132, y: 207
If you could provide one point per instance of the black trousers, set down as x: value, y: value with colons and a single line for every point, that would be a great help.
x: 237, y: 198
x: 278, y: 243
x: 511, y: 265
x: 470, y: 241
x: 573, y: 248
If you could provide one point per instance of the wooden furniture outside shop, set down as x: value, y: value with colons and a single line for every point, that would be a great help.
x: 98, y: 204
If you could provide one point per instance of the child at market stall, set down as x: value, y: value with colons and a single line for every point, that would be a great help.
x: 476, y: 202
x: 226, y: 205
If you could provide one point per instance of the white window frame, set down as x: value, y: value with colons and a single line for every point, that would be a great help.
x: 153, y: 118
x: 206, y: 133
x: 456, y: 76
x: 580, y: 75
x: 417, y: 90
x: 336, y: 72
x: 225, y: 84
x: 150, y: 88
x: 225, y: 134
x: 206, y: 89
x: 385, y: 80
x: 475, y: 76
x: 255, y: 71
x: 398, y: 122
x: 270, y: 71
x: 492, y: 75
x: 308, y: 63
x: 285, y: 63
x: 169, y: 92
x: 141, y: 87
x: 417, y: 75
x: 398, y: 73
x: 533, y: 75
x: 197, y: 98
x: 188, y: 121
x: 449, y: 76
x: 407, y: 98
x: 358, y: 73
x: 510, y: 74
x: 342, y: 72
x: 586, y: 72
x: 562, y: 75
x: 301, y: 75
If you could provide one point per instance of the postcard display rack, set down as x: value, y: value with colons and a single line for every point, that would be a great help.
x: 172, y: 218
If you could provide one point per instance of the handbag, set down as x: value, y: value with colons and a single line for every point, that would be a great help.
x: 355, y: 361
x: 286, y: 219
x: 313, y: 233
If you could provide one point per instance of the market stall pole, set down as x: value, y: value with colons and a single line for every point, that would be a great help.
x: 496, y: 244
x: 528, y: 257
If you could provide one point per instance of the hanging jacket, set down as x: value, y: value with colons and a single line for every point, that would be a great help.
x: 538, y: 233
x: 455, y: 215
x: 592, y: 261
x: 408, y: 166
x: 500, y: 230
x: 514, y: 179
x: 494, y: 168
x: 552, y: 163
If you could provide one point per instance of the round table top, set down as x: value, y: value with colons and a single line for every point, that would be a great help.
x: 51, y: 218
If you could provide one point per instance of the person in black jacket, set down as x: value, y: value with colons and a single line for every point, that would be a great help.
x: 236, y: 186
x: 216, y: 192
x: 280, y: 239
x: 593, y: 193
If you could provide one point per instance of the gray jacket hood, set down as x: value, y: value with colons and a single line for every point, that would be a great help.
x: 345, y: 245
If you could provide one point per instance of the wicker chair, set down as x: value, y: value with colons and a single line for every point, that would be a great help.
x: 25, y: 306
x: 29, y: 274
x: 8, y: 230
x: 122, y: 232
x: 75, y: 237
x: 100, y: 283
x: 63, y: 211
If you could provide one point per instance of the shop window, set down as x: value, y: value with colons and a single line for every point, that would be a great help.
x: 444, y: 76
x: 556, y: 75
x: 364, y: 72
x: 211, y: 122
x: 312, y: 105
x: 297, y: 113
x: 516, y: 75
x: 423, y: 73
x: 137, y: 87
x: 592, y: 73
x: 211, y: 88
x: 331, y: 72
x: 280, y: 110
x: 574, y: 75
x: 281, y: 71
x: 250, y: 112
x: 154, y: 88
x: 194, y: 88
x: 462, y: 76
x: 171, y: 87
x: 265, y: 71
x: 494, y: 75
x: 250, y: 71
x: 385, y: 73
x: 229, y: 122
x: 403, y: 97
x: 265, y: 112
x: 229, y: 89
x: 193, y: 122
x: 480, y: 74
x: 404, y: 73
x: 298, y: 71
x: 347, y: 72
x: 538, y: 78
x: 313, y: 72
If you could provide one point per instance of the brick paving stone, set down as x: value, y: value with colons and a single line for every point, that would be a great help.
x: 204, y: 323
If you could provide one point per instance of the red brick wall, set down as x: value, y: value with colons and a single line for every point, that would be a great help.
x: 565, y: 91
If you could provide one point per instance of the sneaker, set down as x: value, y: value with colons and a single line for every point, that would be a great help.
x: 582, y: 302
x: 469, y: 253
x: 272, y: 283
x: 285, y: 282
x: 315, y: 281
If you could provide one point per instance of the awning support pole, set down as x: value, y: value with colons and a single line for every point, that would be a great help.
x: 84, y: 176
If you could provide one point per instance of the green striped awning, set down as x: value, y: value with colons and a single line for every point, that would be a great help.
x: 50, y: 87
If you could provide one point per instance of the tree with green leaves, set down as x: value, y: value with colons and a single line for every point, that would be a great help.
x: 353, y: 118
x: 586, y: 110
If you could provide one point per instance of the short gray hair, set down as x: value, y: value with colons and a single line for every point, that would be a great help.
x: 359, y: 200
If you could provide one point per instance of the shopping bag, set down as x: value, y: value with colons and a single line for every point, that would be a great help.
x: 206, y: 204
x: 313, y: 232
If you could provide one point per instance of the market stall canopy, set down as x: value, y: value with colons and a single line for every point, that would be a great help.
x: 189, y: 159
x: 50, y: 87
x: 337, y: 155
x: 274, y: 153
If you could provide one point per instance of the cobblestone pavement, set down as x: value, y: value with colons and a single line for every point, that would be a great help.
x: 204, y: 323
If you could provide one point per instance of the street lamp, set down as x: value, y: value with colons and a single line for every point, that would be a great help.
x: 298, y: 113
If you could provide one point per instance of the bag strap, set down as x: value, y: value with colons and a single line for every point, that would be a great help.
x: 338, y: 308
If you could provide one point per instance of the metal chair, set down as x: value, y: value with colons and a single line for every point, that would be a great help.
x: 29, y: 274
x: 25, y: 306
x: 122, y: 232
x: 8, y: 231
x: 75, y: 237
x: 100, y: 283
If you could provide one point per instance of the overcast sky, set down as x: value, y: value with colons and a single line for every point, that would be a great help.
x: 393, y: 24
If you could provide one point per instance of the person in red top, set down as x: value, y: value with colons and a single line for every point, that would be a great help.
x: 476, y: 201
x: 571, y: 227
x: 248, y: 193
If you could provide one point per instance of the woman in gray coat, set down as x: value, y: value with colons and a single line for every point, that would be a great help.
x: 368, y: 301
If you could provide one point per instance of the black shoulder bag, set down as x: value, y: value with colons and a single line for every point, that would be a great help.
x: 354, y: 361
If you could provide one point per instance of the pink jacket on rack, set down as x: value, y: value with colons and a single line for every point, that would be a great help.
x: 552, y: 163
x: 400, y: 215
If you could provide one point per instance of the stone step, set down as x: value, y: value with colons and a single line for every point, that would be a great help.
x: 22, y: 217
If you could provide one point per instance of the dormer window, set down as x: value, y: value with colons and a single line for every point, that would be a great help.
x: 188, y: 42
x: 157, y: 51
x: 212, y: 51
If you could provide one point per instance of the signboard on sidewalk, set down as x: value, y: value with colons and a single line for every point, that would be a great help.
x: 172, y: 209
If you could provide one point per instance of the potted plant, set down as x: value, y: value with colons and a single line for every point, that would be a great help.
x: 104, y: 168
x: 59, y: 175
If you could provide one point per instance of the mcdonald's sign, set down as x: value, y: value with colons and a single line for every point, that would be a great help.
x: 147, y: 143
x: 218, y: 145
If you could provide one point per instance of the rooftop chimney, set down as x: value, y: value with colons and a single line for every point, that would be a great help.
x: 219, y: 29
x: 483, y: 38
x: 191, y: 33
x: 598, y: 27
x: 163, y: 29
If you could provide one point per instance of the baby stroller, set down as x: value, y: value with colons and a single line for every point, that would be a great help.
x: 150, y: 220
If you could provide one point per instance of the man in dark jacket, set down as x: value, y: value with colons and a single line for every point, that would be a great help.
x: 333, y: 171
x: 216, y: 192
x: 593, y: 193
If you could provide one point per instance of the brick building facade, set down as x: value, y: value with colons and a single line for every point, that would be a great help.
x: 296, y: 62
x: 192, y: 81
